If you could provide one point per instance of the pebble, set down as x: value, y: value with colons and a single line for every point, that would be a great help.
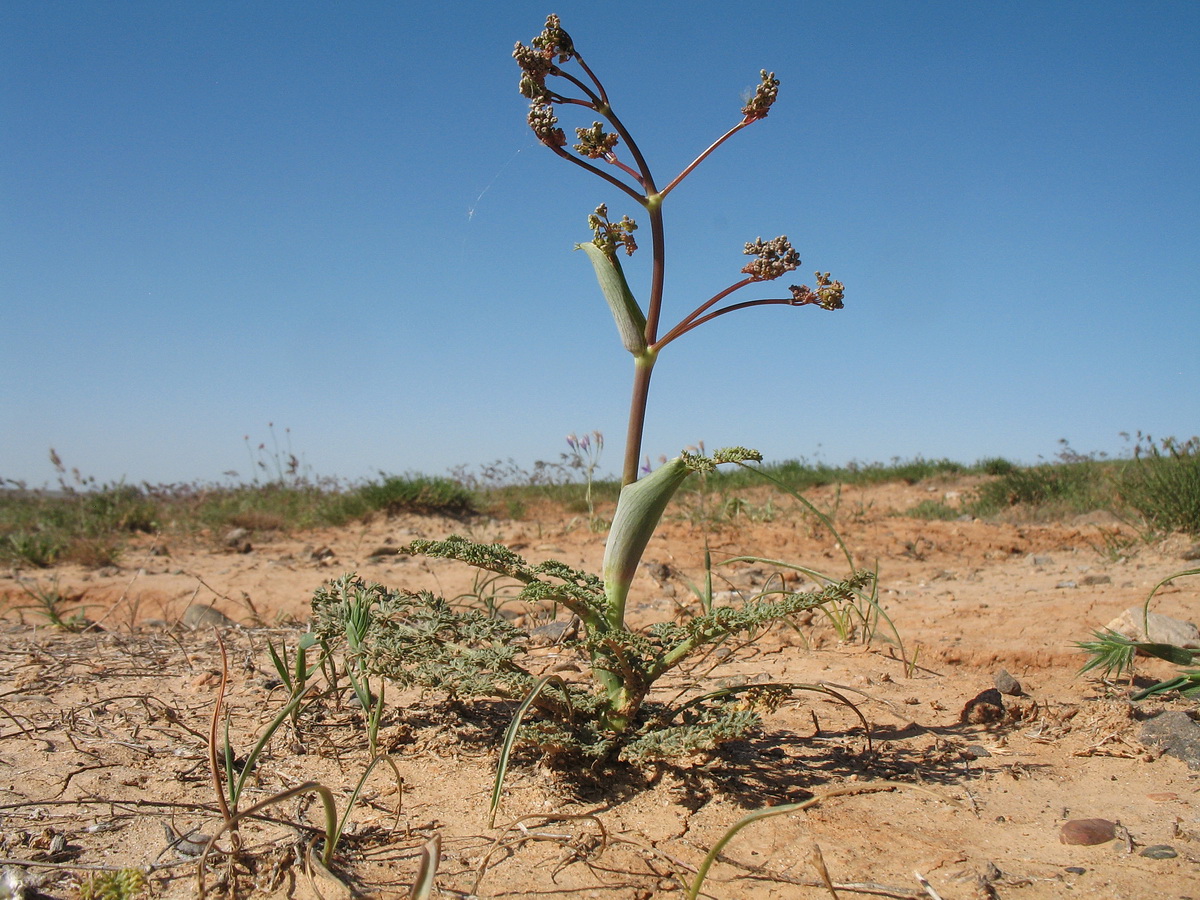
x: 1177, y: 735
x: 1043, y: 560
x: 1192, y: 552
x: 206, y: 617
x: 1006, y: 684
x: 1087, y: 831
x: 1066, y: 584
x: 1159, y: 851
x: 238, y: 539
x: 1075, y: 870
x: 1162, y: 630
x: 1097, y: 579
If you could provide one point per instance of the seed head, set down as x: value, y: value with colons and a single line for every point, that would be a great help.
x: 544, y: 123
x: 609, y: 235
x: 828, y: 295
x: 553, y: 41
x: 538, y: 61
x: 763, y: 98
x: 774, y: 258
x: 594, y: 142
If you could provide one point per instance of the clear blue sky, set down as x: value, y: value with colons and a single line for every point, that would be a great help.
x: 333, y: 217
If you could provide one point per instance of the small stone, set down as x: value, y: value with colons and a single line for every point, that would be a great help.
x: 1092, y: 580
x: 1087, y: 831
x: 1163, y: 796
x: 1043, y: 560
x: 1162, y: 630
x: 1192, y: 552
x: 1177, y: 735
x: 554, y: 632
x: 235, y: 537
x: 1067, y: 584
x: 1075, y: 870
x: 1006, y: 684
x: 1159, y: 851
x: 206, y: 617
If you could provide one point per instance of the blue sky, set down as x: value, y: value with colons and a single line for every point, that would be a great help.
x: 333, y: 217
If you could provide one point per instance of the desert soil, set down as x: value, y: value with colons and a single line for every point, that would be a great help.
x: 104, y: 734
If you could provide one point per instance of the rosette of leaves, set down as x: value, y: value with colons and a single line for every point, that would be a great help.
x: 420, y: 640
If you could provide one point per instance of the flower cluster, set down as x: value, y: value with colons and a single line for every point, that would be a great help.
x: 595, y: 142
x: 764, y: 97
x: 537, y: 62
x: 544, y: 123
x: 610, y: 235
x: 774, y: 258
x: 828, y: 295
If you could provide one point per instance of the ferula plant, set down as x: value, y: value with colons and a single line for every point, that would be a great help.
x: 420, y: 640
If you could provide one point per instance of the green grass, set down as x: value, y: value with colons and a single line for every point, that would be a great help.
x: 1049, y: 490
x: 42, y: 528
x: 1157, y: 488
x: 799, y: 474
x: 1162, y: 483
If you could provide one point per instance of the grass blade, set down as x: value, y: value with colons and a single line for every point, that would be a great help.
x: 510, y: 739
x: 431, y: 857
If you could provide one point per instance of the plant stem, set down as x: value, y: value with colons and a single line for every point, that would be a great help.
x: 644, y: 364
x: 642, y: 368
x: 699, y: 159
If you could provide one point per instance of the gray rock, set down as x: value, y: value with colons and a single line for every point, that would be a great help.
x: 1043, y: 560
x: 1177, y: 735
x: 1067, y: 584
x: 1192, y: 552
x: 1006, y: 684
x: 206, y: 617
x: 1096, y: 579
x: 1159, y: 851
x: 235, y: 536
x: 554, y: 632
x: 1163, y: 629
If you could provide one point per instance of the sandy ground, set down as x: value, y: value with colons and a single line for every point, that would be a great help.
x: 104, y: 734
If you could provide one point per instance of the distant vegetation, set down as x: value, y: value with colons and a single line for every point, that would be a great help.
x: 1156, y: 490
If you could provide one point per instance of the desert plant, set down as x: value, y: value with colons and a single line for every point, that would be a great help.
x: 1162, y: 482
x: 50, y: 603
x: 584, y: 456
x: 417, y: 493
x: 420, y: 639
x: 123, y: 884
x: 1114, y: 654
x: 230, y: 775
